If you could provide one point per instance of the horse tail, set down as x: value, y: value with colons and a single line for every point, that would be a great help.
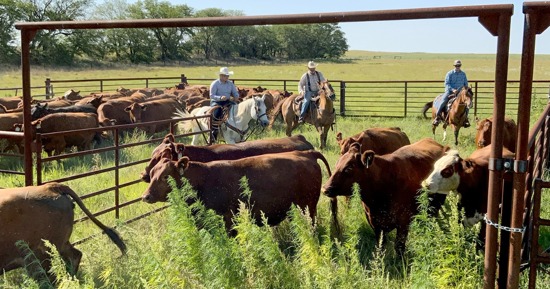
x: 427, y: 106
x: 278, y: 110
x: 186, y: 125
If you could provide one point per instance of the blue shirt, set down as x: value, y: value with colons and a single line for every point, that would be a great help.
x: 455, y: 80
x: 219, y: 89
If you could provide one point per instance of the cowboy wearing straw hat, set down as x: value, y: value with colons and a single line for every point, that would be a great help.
x: 222, y: 93
x: 309, y: 87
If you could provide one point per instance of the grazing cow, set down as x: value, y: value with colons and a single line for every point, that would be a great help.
x: 468, y: 177
x: 225, y: 151
x: 58, y: 122
x: 112, y: 112
x: 158, y: 109
x: 484, y: 129
x: 380, y: 140
x: 218, y: 183
x: 389, y: 184
x: 7, y: 123
x: 38, y: 213
x: 71, y: 94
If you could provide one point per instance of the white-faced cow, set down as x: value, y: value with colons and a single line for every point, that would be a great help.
x: 380, y: 140
x: 468, y: 177
x: 36, y: 213
x: 389, y: 184
x: 224, y: 151
x: 276, y: 180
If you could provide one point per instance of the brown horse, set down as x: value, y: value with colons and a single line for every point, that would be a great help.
x: 320, y: 114
x: 456, y: 116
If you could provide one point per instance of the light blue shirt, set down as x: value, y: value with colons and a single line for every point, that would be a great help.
x: 219, y: 89
x: 455, y: 80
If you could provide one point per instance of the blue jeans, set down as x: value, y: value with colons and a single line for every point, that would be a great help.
x: 444, y: 101
x: 307, y: 101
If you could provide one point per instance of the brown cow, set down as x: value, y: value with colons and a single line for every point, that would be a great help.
x: 158, y: 109
x: 389, y: 184
x: 381, y: 140
x: 58, y: 122
x: 468, y: 177
x: 218, y: 183
x: 37, y: 213
x: 484, y: 129
x: 225, y: 151
x: 112, y: 112
x: 11, y: 102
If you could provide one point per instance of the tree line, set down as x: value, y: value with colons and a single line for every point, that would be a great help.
x: 70, y: 47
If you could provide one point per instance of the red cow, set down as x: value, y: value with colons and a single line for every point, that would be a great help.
x: 389, y: 184
x: 224, y: 151
x: 38, y: 213
x: 218, y: 183
x: 154, y: 110
x: 58, y: 122
x: 484, y: 129
x: 381, y: 140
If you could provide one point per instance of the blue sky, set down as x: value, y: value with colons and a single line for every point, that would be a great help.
x: 455, y: 35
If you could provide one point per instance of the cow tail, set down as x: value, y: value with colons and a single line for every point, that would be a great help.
x: 275, y: 112
x: 427, y: 106
x: 320, y: 156
x: 111, y: 233
x: 333, y: 200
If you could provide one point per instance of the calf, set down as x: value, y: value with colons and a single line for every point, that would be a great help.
x: 468, y: 177
x: 389, y: 184
x: 38, y: 213
x: 484, y: 129
x: 224, y: 151
x: 276, y: 180
x: 381, y: 140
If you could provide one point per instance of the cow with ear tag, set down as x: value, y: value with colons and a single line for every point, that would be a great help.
x: 389, y: 184
x: 217, y: 183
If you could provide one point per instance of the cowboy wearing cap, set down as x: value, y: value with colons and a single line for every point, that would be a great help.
x: 222, y: 93
x: 454, y: 80
x: 309, y: 87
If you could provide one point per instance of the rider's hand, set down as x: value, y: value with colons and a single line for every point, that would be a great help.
x: 455, y: 91
x: 223, y: 98
x: 231, y: 98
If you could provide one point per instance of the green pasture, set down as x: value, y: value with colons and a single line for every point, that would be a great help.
x: 170, y: 250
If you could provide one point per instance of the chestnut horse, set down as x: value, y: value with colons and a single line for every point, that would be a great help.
x: 320, y: 113
x: 456, y: 116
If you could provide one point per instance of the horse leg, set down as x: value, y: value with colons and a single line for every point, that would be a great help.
x: 444, y: 132
x: 456, y: 135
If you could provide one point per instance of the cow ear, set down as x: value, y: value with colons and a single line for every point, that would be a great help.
x: 168, y: 138
x: 356, y: 146
x: 182, y: 164
x: 166, y: 154
x: 367, y: 158
x: 339, y: 136
x: 180, y: 148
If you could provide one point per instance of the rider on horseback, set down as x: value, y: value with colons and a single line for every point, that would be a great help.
x: 309, y: 87
x: 223, y: 93
x: 454, y: 80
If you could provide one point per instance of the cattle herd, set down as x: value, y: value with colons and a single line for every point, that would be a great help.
x: 389, y: 169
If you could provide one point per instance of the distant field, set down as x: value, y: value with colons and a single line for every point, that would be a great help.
x: 357, y: 65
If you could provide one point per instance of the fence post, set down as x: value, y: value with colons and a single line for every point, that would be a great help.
x: 48, y: 88
x: 342, y: 98
x: 406, y: 93
x: 117, y: 172
x: 147, y: 82
x: 101, y: 85
x: 183, y: 79
x: 284, y: 87
x: 475, y: 99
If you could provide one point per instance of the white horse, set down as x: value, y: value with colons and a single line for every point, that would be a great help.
x: 235, y: 128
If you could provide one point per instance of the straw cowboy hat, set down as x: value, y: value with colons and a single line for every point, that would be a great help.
x: 457, y: 63
x: 311, y: 64
x: 225, y: 71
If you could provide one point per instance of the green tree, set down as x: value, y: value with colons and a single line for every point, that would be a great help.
x: 170, y: 41
x: 48, y: 46
x: 8, y: 46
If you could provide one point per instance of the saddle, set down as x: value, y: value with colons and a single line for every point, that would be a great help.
x: 299, y: 101
x: 438, y: 100
x: 216, y: 122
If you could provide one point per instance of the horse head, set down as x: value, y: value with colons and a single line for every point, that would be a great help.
x: 260, y: 110
x: 328, y: 90
x: 466, y: 96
